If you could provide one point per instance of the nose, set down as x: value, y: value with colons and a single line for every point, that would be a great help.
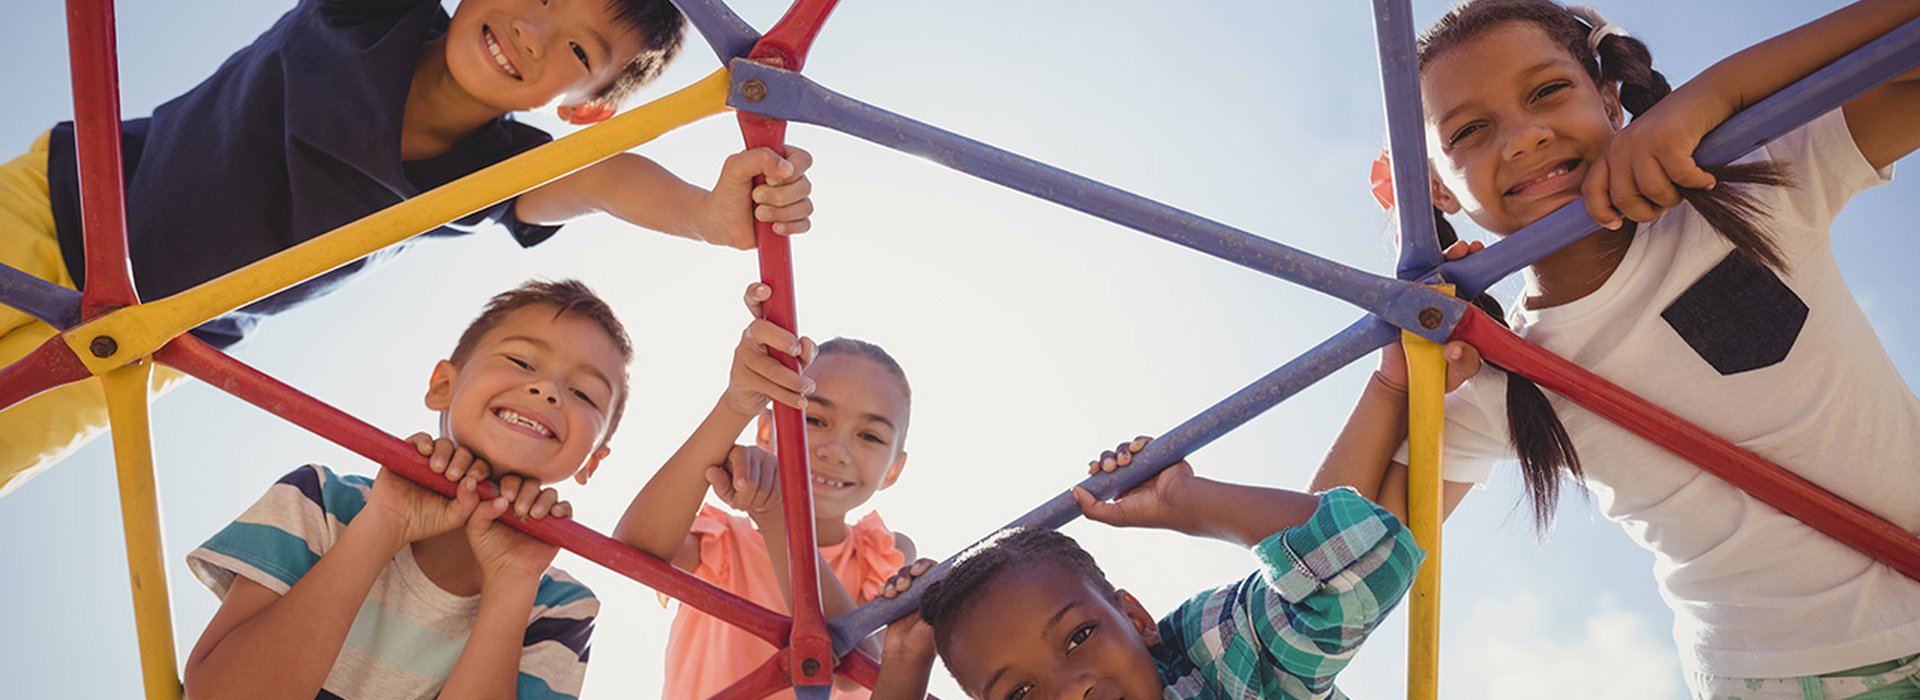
x: 829, y: 448
x: 533, y: 32
x: 1074, y: 683
x: 543, y: 391
x: 1525, y: 137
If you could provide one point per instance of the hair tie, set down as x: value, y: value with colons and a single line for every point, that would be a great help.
x: 1601, y: 27
x: 1382, y: 178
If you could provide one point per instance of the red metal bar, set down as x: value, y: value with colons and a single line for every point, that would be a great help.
x: 194, y: 357
x: 811, y: 660
x: 766, y: 679
x: 96, y: 126
x: 1766, y: 481
x: 49, y: 366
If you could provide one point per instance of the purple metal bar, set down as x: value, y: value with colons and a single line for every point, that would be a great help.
x: 793, y: 97
x: 730, y: 36
x: 1820, y: 92
x: 53, y: 304
x: 1364, y: 336
x: 1406, y: 138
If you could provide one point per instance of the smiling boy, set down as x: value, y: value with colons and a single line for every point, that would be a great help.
x: 348, y: 587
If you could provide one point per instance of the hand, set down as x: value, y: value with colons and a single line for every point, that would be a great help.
x: 735, y: 203
x: 1463, y: 360
x: 1640, y: 167
x: 902, y: 580
x: 504, y: 551
x: 749, y: 482
x: 909, y: 641
x: 424, y: 512
x: 1150, y: 504
x: 757, y: 376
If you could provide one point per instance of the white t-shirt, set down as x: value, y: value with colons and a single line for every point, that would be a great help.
x: 1754, y: 591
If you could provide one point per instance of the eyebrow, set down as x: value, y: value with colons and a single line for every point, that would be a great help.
x: 544, y: 345
x: 868, y: 416
x: 1045, y: 631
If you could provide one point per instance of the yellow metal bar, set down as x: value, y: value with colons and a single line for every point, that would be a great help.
x: 1426, y: 415
x: 140, y: 330
x: 126, y: 390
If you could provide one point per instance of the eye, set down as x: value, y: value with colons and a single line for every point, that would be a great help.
x: 522, y: 364
x: 581, y: 54
x: 1019, y: 692
x: 870, y: 437
x: 816, y: 422
x: 1463, y: 133
x: 1549, y: 89
x: 1080, y: 636
x: 584, y: 397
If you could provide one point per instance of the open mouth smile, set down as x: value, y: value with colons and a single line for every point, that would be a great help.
x: 830, y: 482
x: 499, y: 55
x: 524, y: 422
x: 1547, y: 180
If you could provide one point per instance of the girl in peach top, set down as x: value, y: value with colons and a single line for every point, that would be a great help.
x: 857, y: 403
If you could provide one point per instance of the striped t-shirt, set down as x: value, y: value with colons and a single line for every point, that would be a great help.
x: 409, y: 632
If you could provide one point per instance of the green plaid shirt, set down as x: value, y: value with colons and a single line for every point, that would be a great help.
x: 1287, y: 629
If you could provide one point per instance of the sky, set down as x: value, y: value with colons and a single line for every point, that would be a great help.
x: 1034, y: 336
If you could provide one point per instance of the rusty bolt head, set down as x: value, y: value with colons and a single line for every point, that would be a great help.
x: 754, y: 91
x: 810, y: 666
x: 1430, y: 317
x: 103, y: 346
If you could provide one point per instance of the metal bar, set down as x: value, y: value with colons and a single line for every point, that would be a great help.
x: 787, y: 43
x: 1765, y: 481
x: 126, y: 392
x: 1892, y: 54
x: 793, y: 97
x: 140, y: 330
x: 48, y: 366
x: 730, y: 36
x: 1406, y: 137
x: 1426, y: 418
x: 53, y: 304
x: 1364, y: 336
x: 194, y: 357
x: 766, y: 679
x: 96, y: 127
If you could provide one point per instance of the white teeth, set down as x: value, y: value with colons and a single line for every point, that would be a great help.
x: 510, y: 416
x: 824, y: 481
x: 499, y: 58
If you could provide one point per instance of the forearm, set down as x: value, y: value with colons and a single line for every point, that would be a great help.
x: 287, y: 649
x: 658, y: 518
x: 1237, y: 513
x: 1360, y: 456
x: 631, y: 187
x: 835, y: 600
x: 489, y: 665
x: 1751, y: 75
x: 903, y: 677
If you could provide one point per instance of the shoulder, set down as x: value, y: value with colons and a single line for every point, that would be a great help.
x: 278, y: 539
x: 562, y: 595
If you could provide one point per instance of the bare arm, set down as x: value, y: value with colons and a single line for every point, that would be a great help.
x: 489, y: 665
x: 1362, y: 456
x: 641, y: 192
x: 659, y: 517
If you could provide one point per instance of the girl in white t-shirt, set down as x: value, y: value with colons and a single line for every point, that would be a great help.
x: 1733, y: 316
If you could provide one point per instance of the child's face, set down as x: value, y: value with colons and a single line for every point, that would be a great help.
x: 1045, y: 632
x: 1513, y: 124
x: 535, y: 396
x: 520, y: 54
x: 855, y: 418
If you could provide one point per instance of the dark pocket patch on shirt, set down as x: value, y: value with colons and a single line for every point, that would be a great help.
x: 1738, y: 317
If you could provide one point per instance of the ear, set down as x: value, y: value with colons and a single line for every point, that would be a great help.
x: 1443, y: 197
x: 1610, y: 97
x: 440, y: 386
x: 763, y: 431
x: 1143, y: 622
x: 589, y: 112
x: 592, y: 465
x: 893, y: 472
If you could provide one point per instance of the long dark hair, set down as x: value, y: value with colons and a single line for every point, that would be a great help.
x: 1539, y: 439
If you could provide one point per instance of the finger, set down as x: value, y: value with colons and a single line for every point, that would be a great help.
x: 1458, y: 250
x: 765, y: 163
x: 466, y: 497
x: 772, y: 337
x: 1624, y: 187
x: 458, y: 464
x: 1593, y: 192
x: 479, y: 468
x: 562, y: 509
x: 808, y: 351
x: 777, y: 381
x: 1140, y: 443
x: 492, y: 510
x: 509, y: 487
x: 1686, y: 172
x: 1122, y: 455
x: 801, y: 159
x: 793, y: 228
x: 1476, y: 247
x: 757, y: 294
x: 1654, y: 182
x: 1107, y: 461
x: 721, y: 482
x: 1091, y: 507
x: 422, y: 442
x: 783, y: 194
x: 544, y: 504
x: 921, y: 567
x: 1093, y: 466
x: 523, y: 501
x: 442, y: 451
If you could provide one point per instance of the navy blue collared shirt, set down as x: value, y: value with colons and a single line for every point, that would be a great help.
x: 295, y: 135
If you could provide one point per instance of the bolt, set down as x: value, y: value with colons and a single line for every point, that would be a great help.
x: 1430, y: 317
x: 753, y: 90
x: 810, y: 667
x: 103, y: 346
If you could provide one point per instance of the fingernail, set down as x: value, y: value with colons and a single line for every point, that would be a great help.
x: 1612, y: 225
x: 807, y: 386
x: 1453, y: 353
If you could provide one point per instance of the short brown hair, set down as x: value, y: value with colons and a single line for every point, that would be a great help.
x: 566, y: 297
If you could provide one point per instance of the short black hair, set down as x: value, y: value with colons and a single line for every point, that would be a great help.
x: 947, y: 599
x: 661, y: 29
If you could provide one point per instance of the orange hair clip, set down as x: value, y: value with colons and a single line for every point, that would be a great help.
x: 1382, y: 177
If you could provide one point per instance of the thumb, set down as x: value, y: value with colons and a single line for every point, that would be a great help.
x: 721, y: 482
x: 1094, y: 508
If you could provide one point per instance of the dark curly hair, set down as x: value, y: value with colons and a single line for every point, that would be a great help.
x: 949, y: 598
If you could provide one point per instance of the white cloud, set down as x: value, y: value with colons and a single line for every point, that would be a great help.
x: 1515, y: 652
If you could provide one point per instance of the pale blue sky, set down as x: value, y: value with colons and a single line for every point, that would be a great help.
x: 1034, y: 336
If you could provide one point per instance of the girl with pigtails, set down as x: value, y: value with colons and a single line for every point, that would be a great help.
x: 1711, y: 292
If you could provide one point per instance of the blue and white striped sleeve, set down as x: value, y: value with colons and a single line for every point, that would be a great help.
x: 282, y: 536
x: 553, y: 654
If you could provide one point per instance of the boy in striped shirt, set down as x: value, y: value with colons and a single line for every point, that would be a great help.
x: 348, y: 587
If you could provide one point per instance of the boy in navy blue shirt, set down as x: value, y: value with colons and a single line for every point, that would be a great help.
x: 343, y: 108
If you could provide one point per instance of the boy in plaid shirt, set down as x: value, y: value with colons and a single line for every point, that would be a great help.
x: 1028, y: 614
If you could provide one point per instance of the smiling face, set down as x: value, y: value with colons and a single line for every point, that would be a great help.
x: 520, y: 54
x: 1513, y: 124
x: 1044, y: 631
x: 534, y: 396
x: 856, y: 427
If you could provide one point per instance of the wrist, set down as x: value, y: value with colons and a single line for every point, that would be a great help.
x: 1381, y: 382
x: 380, y: 525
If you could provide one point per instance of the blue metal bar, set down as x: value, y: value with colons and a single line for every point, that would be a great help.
x: 792, y: 97
x: 1406, y: 138
x: 730, y: 36
x: 56, y: 305
x: 812, y: 692
x: 1364, y: 336
x: 1820, y: 92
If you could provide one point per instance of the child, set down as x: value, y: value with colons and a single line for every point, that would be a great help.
x: 343, y: 586
x: 1028, y: 614
x: 857, y: 403
x: 342, y: 108
x: 1742, y: 326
